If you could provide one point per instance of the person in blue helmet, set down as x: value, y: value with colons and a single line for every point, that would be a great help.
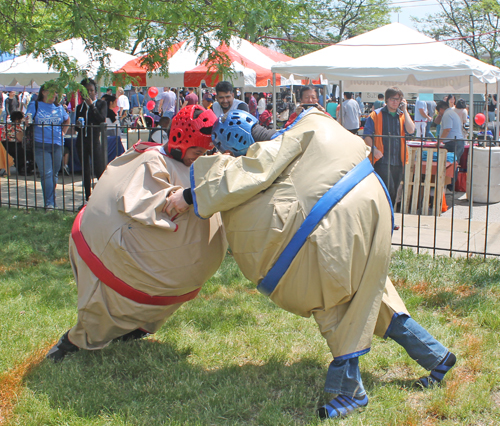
x: 309, y: 222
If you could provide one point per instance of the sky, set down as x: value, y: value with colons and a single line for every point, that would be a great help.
x: 417, y: 8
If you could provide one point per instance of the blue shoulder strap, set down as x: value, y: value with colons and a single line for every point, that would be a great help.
x: 320, y: 209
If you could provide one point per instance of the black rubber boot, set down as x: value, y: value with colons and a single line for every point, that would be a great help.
x: 62, y: 348
x: 133, y: 335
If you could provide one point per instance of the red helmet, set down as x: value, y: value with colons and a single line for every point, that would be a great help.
x: 187, y: 131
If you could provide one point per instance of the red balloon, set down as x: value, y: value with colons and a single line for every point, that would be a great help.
x: 480, y: 119
x: 152, y: 92
x: 150, y: 105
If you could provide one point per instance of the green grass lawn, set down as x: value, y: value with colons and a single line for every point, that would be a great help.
x: 231, y: 357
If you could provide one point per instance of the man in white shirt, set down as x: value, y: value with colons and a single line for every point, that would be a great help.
x: 167, y: 103
x: 123, y: 104
x: 350, y: 114
x: 451, y: 134
x: 24, y: 100
x: 421, y: 117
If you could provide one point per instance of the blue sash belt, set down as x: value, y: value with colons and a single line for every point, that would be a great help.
x: 320, y: 209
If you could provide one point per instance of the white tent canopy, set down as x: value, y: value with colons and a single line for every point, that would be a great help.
x: 26, y: 69
x: 393, y: 55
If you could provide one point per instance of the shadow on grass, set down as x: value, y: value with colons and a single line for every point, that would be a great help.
x: 155, y: 383
x: 372, y: 382
x: 150, y: 383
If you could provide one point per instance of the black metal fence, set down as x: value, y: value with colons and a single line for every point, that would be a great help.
x: 59, y: 172
x: 469, y: 226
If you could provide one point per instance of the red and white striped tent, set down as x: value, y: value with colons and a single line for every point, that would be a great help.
x: 188, y: 67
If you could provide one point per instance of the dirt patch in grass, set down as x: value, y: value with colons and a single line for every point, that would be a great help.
x: 464, y: 323
x: 495, y: 397
x: 473, y: 351
x: 465, y: 290
x: 30, y: 264
x: 415, y: 399
x: 427, y: 289
x: 423, y: 289
x: 402, y: 372
x: 19, y: 265
x: 461, y: 377
x: 11, y: 382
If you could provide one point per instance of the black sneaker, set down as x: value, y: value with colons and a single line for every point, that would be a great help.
x: 62, y: 348
x: 133, y: 335
x: 82, y: 206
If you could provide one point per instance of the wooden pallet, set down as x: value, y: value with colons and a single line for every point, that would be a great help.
x: 420, y: 180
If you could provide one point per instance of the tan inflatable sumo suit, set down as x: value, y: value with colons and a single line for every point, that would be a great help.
x: 310, y: 222
x: 340, y: 274
x: 125, y: 229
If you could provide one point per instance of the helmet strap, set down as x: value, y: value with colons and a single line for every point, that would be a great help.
x: 176, y: 154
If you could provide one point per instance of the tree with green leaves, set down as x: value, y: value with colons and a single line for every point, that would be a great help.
x: 153, y: 26
x: 471, y: 26
x: 328, y: 22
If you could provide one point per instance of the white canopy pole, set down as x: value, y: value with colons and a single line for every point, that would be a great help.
x: 486, y: 113
x: 341, y: 98
x: 471, y: 143
x: 274, y: 101
x: 497, y: 121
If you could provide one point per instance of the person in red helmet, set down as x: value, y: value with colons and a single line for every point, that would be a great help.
x: 135, y: 266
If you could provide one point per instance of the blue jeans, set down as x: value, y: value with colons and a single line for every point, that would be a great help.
x: 428, y: 133
x: 48, y: 158
x: 458, y: 147
x: 169, y: 114
x: 344, y: 377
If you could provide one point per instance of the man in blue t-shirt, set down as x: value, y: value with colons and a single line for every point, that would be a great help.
x: 137, y: 100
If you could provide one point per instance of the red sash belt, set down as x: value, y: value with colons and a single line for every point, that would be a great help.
x: 115, y: 283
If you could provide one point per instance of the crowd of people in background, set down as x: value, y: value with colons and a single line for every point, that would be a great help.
x: 120, y: 109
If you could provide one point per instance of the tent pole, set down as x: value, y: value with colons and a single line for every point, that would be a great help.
x: 274, y: 101
x: 486, y: 118
x: 497, y: 120
x: 341, y: 98
x: 471, y: 144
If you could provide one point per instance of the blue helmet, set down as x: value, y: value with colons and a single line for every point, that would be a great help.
x: 233, y: 132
